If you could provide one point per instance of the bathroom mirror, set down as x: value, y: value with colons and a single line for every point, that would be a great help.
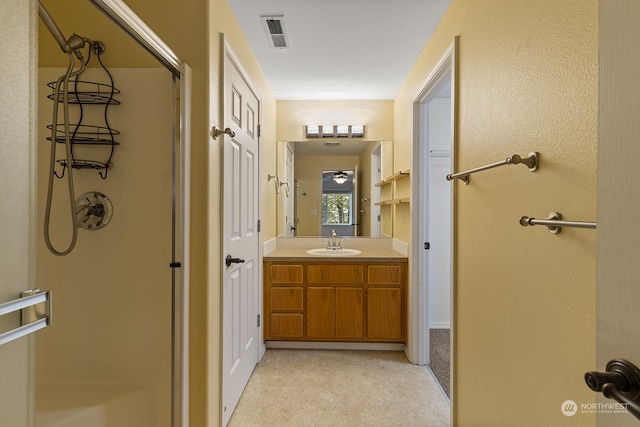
x: 309, y: 196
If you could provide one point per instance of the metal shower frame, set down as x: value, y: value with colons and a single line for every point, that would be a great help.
x: 130, y: 23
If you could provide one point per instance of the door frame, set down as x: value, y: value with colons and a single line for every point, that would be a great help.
x: 419, y: 351
x: 375, y: 229
x: 134, y: 26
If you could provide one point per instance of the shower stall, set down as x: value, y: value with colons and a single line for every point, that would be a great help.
x: 115, y: 354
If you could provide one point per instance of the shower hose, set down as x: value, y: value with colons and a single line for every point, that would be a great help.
x: 62, y: 85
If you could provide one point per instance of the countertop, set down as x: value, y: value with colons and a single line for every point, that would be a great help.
x: 367, y: 255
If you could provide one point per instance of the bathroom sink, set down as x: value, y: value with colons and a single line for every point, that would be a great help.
x: 333, y: 252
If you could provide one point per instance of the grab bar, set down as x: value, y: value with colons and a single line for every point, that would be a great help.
x: 531, y: 162
x: 29, y: 325
x: 554, y: 222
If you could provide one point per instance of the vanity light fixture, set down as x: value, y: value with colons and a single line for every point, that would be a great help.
x: 334, y: 131
x: 340, y: 177
x: 328, y: 131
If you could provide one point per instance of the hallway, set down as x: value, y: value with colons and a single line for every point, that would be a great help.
x: 340, y: 388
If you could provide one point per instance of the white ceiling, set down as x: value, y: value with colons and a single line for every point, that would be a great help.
x: 340, y: 49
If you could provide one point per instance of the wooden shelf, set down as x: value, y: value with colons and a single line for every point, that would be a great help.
x: 396, y: 176
x: 393, y: 201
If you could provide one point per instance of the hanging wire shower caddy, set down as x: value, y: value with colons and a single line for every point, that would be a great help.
x: 81, y: 93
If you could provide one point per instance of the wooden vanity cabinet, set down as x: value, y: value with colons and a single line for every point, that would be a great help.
x: 325, y: 301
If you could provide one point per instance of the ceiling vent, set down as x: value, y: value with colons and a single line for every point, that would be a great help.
x: 276, y: 31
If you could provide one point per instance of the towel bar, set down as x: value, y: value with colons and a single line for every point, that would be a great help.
x: 531, y: 162
x: 28, y: 299
x: 554, y: 222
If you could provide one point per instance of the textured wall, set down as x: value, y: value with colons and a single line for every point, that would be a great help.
x: 17, y: 200
x: 524, y: 311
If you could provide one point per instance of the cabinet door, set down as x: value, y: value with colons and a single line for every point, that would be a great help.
x: 321, y: 312
x: 286, y: 325
x: 384, y: 313
x: 349, y: 312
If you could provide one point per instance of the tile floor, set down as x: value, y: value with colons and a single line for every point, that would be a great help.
x: 340, y: 388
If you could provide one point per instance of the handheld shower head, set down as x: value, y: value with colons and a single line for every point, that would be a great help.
x: 73, y: 44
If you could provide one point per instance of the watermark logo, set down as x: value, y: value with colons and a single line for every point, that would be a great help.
x: 569, y: 408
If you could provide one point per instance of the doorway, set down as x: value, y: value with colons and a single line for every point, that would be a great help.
x: 338, y: 202
x: 374, y: 202
x: 432, y: 261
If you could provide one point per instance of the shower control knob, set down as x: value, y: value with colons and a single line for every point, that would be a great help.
x: 230, y: 260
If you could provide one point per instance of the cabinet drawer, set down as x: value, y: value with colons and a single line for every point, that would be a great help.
x: 286, y: 299
x: 384, y: 275
x: 286, y: 325
x: 286, y: 274
x: 335, y: 273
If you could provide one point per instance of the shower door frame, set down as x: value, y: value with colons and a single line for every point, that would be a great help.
x: 131, y: 24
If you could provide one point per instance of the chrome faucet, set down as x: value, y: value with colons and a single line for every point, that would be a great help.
x: 333, y: 244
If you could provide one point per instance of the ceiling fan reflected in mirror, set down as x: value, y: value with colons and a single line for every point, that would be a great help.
x: 340, y: 177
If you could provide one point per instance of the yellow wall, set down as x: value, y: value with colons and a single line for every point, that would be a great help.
x: 18, y: 74
x: 524, y: 316
x: 192, y: 28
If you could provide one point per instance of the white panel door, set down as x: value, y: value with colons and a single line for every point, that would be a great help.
x: 240, y: 235
x: 618, y: 233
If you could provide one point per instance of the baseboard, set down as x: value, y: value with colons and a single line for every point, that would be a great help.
x: 439, y: 325
x: 263, y: 349
x: 322, y: 345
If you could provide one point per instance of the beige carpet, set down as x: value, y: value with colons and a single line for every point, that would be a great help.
x: 340, y: 388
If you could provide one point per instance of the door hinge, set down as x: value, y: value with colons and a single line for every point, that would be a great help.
x: 258, y: 320
x: 259, y: 131
x: 175, y: 264
x: 427, y: 245
x: 259, y: 226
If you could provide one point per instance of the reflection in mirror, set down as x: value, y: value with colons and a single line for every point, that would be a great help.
x: 337, y: 202
x: 317, y: 204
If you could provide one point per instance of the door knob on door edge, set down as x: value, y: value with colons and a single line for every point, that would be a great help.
x: 620, y: 382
